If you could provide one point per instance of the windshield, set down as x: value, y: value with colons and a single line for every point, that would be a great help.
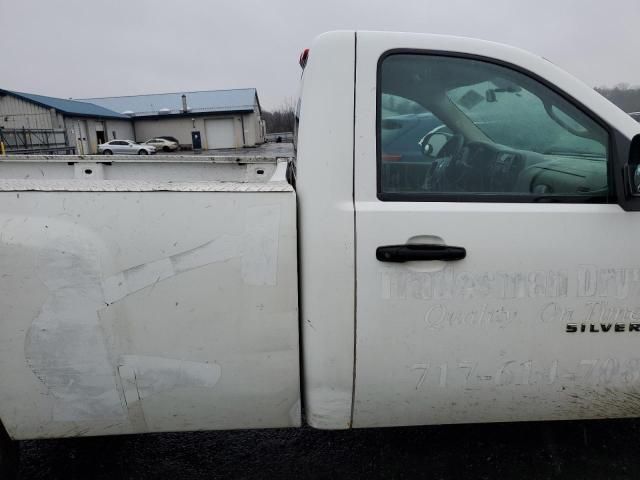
x: 483, y: 101
x: 496, y: 111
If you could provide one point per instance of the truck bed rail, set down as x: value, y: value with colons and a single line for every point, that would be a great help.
x: 135, y: 173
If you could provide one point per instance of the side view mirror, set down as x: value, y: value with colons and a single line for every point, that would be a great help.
x: 632, y: 169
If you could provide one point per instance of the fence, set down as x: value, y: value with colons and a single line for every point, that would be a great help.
x: 35, y: 141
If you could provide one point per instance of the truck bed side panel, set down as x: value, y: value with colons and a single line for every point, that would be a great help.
x: 129, y: 312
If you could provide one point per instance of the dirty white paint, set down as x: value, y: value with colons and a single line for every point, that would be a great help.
x: 90, y: 185
x: 132, y: 173
x: 63, y: 345
x: 149, y: 375
x: 295, y: 412
x: 260, y: 246
x: 139, y: 312
x: 327, y: 405
x: 485, y: 338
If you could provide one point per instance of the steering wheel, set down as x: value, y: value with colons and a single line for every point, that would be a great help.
x: 444, y: 176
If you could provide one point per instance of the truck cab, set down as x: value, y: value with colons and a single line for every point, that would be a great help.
x: 528, y: 172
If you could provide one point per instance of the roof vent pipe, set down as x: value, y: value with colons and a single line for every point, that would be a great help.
x: 184, y: 103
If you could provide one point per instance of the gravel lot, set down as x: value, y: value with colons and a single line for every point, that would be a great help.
x: 574, y: 450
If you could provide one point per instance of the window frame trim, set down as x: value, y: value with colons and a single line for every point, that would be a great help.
x: 611, y: 196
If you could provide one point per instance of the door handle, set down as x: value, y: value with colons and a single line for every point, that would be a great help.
x: 419, y: 251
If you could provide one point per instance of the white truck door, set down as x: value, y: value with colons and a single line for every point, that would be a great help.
x: 497, y: 277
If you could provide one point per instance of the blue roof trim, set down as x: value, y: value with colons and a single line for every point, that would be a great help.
x: 69, y: 107
x: 200, y: 102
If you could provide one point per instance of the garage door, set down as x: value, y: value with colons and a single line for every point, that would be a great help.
x: 220, y: 133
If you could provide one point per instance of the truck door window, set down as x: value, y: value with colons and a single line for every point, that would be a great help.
x: 452, y: 128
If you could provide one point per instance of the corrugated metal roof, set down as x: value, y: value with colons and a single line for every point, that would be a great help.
x: 239, y: 100
x: 70, y: 107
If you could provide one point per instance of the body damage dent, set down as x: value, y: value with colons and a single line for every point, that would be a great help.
x: 144, y: 376
x: 64, y: 346
x: 257, y: 246
x: 70, y: 353
x: 152, y: 375
x: 325, y: 405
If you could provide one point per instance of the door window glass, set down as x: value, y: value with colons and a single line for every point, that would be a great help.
x: 461, y: 127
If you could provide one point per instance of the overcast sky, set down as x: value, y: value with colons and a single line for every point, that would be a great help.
x: 95, y: 48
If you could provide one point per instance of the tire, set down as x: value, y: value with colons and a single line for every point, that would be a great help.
x: 9, y: 455
x: 107, y: 152
x: 166, y: 149
x: 142, y: 151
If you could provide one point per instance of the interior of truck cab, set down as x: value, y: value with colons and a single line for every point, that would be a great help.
x: 467, y: 127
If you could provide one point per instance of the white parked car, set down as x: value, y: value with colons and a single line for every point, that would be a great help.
x: 125, y: 147
x: 163, y: 144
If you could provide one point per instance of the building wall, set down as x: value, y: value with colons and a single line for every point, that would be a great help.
x: 259, y: 125
x: 147, y: 128
x: 253, y: 128
x: 81, y: 132
x: 123, y: 129
x: 18, y: 113
x: 181, y: 128
x: 250, y: 129
x: 78, y: 134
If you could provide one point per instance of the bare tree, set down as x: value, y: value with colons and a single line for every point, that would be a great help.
x: 281, y: 120
x: 623, y: 95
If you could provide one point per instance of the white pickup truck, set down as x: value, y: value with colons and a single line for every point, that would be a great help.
x: 454, y: 242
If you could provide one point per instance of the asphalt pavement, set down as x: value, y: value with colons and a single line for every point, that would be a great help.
x: 572, y: 450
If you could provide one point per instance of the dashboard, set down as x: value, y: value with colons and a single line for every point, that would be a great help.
x: 482, y: 167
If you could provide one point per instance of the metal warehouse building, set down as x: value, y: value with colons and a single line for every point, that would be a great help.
x: 33, y: 123
x: 220, y: 118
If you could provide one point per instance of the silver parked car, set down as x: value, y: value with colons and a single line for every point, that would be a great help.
x: 125, y: 147
x: 163, y: 144
x: 635, y: 116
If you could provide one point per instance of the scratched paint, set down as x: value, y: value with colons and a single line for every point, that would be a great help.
x: 66, y: 350
x: 64, y: 345
x: 96, y: 361
x: 327, y: 404
x: 143, y: 376
x: 154, y: 375
x: 257, y: 247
